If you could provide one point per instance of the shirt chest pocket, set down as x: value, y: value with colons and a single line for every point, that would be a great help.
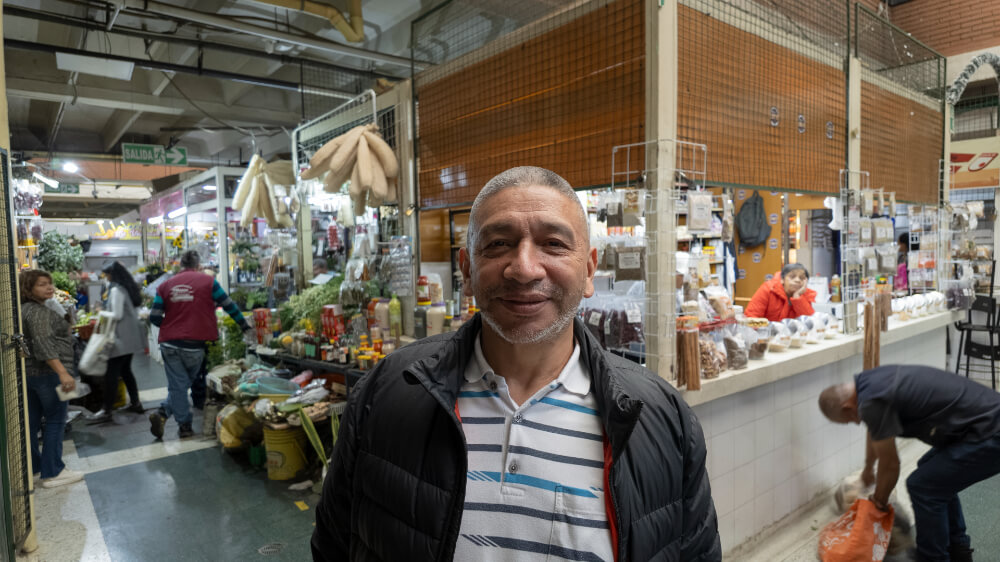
x: 580, y: 529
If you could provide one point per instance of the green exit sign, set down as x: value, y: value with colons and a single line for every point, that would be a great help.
x: 134, y: 153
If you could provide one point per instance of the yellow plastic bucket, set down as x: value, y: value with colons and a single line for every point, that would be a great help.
x: 285, y: 456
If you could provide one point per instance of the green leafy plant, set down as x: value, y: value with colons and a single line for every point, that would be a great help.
x: 62, y: 282
x: 229, y: 345
x: 309, y: 303
x: 256, y: 299
x: 55, y: 253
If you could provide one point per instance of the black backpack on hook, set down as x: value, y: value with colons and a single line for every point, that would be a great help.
x: 751, y: 222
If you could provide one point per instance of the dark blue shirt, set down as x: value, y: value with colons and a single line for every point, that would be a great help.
x: 934, y: 406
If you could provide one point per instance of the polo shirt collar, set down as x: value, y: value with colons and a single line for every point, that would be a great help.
x: 573, y: 376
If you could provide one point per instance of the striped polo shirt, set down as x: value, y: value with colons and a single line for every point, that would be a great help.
x: 535, y: 487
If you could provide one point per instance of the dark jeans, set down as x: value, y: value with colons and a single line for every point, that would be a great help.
x: 182, y: 367
x: 198, y: 389
x: 934, y: 487
x: 43, y: 402
x: 120, y: 366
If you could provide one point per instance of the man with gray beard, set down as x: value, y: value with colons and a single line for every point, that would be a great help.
x: 518, y: 437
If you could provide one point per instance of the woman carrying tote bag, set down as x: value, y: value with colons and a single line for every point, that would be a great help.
x: 123, y: 298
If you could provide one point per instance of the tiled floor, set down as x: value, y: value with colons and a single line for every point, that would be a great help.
x: 174, y: 499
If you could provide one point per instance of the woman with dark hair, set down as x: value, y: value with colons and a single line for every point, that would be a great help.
x: 123, y: 298
x: 785, y: 296
x: 51, y: 347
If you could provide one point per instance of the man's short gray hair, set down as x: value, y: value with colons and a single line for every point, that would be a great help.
x: 522, y: 176
x: 190, y: 260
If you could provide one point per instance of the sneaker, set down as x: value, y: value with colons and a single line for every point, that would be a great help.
x: 156, y: 422
x: 65, y: 477
x: 184, y: 431
x: 102, y: 416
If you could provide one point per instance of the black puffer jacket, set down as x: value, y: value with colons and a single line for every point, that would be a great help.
x: 396, y: 487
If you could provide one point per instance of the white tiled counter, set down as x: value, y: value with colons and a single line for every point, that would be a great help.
x: 770, y: 450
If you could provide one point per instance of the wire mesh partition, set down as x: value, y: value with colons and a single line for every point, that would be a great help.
x: 635, y: 167
x: 550, y: 84
x: 976, y: 117
x: 324, y: 88
x: 16, y: 476
x: 762, y: 83
x: 902, y: 117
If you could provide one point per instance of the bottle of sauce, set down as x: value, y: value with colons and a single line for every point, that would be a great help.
x: 372, y: 313
x: 435, y: 319
x: 835, y: 288
x: 381, y: 315
x: 420, y: 319
x: 423, y: 288
x: 395, y: 320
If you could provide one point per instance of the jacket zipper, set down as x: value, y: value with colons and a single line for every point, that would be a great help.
x: 458, y: 503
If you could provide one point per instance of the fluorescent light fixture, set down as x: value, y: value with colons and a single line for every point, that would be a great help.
x: 208, y: 187
x: 97, y: 66
x: 70, y: 167
x: 155, y: 220
x: 47, y: 181
x: 177, y: 213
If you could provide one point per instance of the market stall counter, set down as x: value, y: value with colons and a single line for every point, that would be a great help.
x: 771, y: 453
x: 349, y: 371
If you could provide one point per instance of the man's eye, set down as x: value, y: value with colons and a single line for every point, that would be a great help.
x: 497, y: 244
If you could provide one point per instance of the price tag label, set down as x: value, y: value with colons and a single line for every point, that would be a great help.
x: 595, y: 318
x: 628, y: 260
x: 633, y: 314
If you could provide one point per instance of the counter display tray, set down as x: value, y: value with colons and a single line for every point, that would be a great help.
x: 350, y: 371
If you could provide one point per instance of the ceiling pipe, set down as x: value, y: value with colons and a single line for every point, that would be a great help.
x: 146, y: 6
x: 17, y: 11
x: 353, y: 30
x: 171, y: 67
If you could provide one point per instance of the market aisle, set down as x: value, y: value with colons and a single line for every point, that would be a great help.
x: 177, y: 500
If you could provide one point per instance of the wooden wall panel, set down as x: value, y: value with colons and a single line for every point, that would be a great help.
x: 901, y: 144
x: 730, y: 79
x: 561, y: 100
x: 768, y: 255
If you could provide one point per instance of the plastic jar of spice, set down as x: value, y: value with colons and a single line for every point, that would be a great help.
x: 435, y: 319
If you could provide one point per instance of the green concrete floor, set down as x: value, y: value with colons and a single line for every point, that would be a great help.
x: 200, y: 505
x: 981, y: 506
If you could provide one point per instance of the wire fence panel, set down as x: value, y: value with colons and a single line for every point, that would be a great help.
x: 13, y: 446
x: 558, y: 93
x: 902, y: 101
x: 761, y: 83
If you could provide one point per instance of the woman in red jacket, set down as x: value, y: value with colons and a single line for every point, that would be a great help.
x: 784, y: 296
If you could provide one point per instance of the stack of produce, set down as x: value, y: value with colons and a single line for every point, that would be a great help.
x: 362, y: 156
x: 256, y: 195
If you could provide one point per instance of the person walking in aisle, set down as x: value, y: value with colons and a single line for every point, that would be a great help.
x: 957, y: 417
x: 518, y: 437
x: 51, y: 348
x: 130, y: 337
x: 184, y: 310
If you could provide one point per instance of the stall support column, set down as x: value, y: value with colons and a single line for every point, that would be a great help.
x: 661, y: 161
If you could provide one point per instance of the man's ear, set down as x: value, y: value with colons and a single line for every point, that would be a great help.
x: 465, y: 264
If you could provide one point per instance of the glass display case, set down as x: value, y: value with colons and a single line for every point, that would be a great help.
x: 194, y: 215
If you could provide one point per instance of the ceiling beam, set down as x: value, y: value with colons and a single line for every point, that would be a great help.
x: 117, y: 99
x: 121, y: 120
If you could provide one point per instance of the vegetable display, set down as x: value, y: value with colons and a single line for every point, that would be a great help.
x: 309, y: 303
x: 363, y: 157
x: 55, y: 253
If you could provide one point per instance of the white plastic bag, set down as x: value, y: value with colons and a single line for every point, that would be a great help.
x: 154, y: 344
x: 82, y: 389
x: 95, y: 357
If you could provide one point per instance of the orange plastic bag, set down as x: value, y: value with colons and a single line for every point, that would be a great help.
x: 860, y: 535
